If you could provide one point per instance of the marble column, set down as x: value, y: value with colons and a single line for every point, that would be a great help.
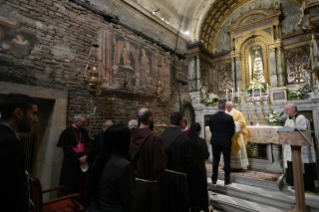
x: 214, y: 79
x: 233, y: 70
x: 273, y: 67
x: 198, y: 84
x: 238, y: 72
x: 280, y: 59
x: 193, y: 75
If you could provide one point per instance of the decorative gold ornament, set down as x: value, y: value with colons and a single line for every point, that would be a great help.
x: 91, y: 77
x: 315, y: 72
x: 93, y: 82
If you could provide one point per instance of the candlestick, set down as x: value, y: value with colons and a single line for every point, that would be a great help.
x: 245, y: 110
x: 260, y: 91
x: 232, y: 94
x: 255, y: 114
x: 268, y: 101
x: 262, y: 115
x: 226, y: 94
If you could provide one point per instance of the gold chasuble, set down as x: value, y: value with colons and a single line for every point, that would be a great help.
x: 240, y: 129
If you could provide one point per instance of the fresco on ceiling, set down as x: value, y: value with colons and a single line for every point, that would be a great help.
x: 291, y: 12
x: 126, y: 63
x: 17, y: 42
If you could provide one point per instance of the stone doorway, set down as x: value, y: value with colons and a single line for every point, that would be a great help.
x: 47, y: 159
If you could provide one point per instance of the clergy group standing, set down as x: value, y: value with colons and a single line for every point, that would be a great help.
x: 239, y: 158
x: 172, y: 182
x: 75, y: 143
x: 296, y: 120
x: 149, y: 160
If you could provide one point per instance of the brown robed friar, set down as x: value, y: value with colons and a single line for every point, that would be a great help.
x: 148, y: 160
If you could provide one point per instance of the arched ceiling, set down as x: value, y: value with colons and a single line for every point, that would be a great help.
x: 183, y: 15
x: 196, y: 19
x: 216, y: 16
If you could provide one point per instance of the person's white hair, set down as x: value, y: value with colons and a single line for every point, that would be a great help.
x: 293, y: 106
x: 229, y: 102
x: 77, y: 117
x: 106, y: 123
x: 132, y: 123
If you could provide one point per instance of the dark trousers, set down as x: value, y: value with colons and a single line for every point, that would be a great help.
x: 216, y: 158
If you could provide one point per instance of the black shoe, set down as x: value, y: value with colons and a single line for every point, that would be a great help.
x: 214, y: 181
x: 228, y: 182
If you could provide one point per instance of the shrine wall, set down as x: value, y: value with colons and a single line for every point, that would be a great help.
x: 291, y: 12
x: 47, y: 43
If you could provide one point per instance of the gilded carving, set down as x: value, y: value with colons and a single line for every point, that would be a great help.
x: 297, y: 62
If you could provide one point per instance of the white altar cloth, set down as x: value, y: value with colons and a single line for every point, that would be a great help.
x: 263, y: 134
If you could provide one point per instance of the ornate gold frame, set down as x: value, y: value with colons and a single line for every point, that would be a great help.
x: 255, y: 27
x: 244, y: 48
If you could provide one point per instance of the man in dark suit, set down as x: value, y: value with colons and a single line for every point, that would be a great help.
x: 18, y: 114
x: 222, y: 127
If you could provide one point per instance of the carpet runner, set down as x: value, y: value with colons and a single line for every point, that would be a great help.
x: 252, y: 173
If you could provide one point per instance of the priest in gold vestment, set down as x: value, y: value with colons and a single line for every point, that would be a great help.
x: 239, y: 159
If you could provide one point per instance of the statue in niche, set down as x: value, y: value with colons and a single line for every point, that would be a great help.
x: 256, y: 65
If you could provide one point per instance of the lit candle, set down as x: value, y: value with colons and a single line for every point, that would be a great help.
x: 267, y: 90
x: 232, y: 94
x: 260, y: 91
x: 226, y: 94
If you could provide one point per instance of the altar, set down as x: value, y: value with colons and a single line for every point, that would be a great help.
x: 263, y: 148
x: 267, y: 136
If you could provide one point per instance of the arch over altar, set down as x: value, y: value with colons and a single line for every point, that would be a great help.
x: 254, y: 36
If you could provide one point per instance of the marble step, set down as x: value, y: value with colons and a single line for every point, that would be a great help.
x: 281, y: 200
x: 232, y: 204
x: 255, y: 182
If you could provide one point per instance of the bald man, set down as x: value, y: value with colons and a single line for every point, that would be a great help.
x: 149, y: 160
x: 97, y: 143
x: 296, y: 120
x: 238, y: 159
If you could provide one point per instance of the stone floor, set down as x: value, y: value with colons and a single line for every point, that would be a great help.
x: 240, y: 197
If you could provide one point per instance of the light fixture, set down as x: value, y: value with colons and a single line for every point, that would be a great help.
x: 91, y: 77
x: 186, y: 33
x: 153, y: 13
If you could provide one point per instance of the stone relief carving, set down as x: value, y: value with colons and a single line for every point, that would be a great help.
x: 196, y: 98
x: 252, y: 18
x: 204, y: 79
x: 297, y: 60
x: 225, y: 79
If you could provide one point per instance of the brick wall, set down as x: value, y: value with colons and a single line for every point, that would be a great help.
x: 46, y: 43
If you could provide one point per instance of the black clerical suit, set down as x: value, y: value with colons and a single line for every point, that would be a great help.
x: 12, y: 172
x: 222, y: 127
x: 74, y: 180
